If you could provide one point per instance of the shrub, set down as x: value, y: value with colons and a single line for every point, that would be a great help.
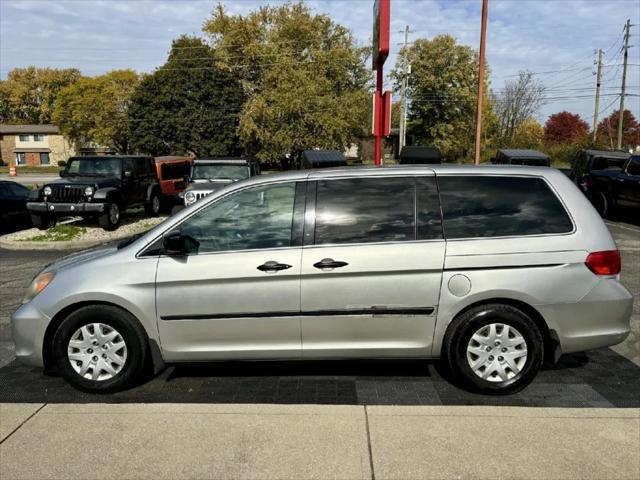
x: 62, y: 163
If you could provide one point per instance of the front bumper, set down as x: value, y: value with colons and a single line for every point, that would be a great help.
x: 66, y: 208
x: 28, y: 327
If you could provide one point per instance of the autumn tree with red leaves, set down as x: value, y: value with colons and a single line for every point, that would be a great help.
x: 608, y: 131
x: 565, y: 127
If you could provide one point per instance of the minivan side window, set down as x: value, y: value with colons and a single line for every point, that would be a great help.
x: 365, y: 210
x: 254, y: 218
x: 495, y: 206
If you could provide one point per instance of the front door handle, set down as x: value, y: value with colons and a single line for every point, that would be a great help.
x: 329, y: 263
x: 272, y: 266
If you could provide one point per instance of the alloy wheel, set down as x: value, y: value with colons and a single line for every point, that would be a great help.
x: 97, y: 352
x: 497, y: 352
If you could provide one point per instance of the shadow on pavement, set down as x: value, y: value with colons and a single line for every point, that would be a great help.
x: 600, y: 378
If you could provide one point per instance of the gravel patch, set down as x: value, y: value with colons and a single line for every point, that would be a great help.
x: 90, y: 231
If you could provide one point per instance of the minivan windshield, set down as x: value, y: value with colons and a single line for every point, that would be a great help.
x: 93, y: 167
x: 212, y: 171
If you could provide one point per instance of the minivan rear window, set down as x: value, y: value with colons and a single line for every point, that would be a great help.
x: 500, y: 206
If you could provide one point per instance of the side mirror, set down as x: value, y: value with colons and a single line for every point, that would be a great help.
x: 127, y: 174
x: 175, y: 243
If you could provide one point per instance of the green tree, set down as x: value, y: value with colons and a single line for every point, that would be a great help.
x: 95, y: 110
x: 305, y: 79
x: 28, y: 95
x: 442, y: 92
x: 187, y: 105
x: 530, y: 134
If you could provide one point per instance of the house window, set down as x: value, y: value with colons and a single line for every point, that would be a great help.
x: 38, y: 137
x: 24, y: 138
x: 20, y: 158
x: 44, y: 158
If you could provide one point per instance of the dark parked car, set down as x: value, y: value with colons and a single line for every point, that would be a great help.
x: 13, y: 205
x: 101, y: 186
x: 587, y: 161
x: 415, y: 154
x: 615, y: 186
x: 521, y: 157
x: 322, y: 159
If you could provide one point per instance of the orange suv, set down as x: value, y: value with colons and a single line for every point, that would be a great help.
x: 173, y: 172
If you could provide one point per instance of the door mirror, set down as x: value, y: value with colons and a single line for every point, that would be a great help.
x: 175, y: 243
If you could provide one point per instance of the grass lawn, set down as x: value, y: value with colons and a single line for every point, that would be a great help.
x: 59, y: 233
x: 32, y: 169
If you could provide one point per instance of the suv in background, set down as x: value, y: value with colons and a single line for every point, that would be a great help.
x: 173, y: 175
x: 532, y: 158
x: 100, y: 186
x: 490, y: 268
x: 615, y: 186
x: 211, y: 174
x: 586, y: 161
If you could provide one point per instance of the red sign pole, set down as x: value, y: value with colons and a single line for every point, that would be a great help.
x: 381, y: 25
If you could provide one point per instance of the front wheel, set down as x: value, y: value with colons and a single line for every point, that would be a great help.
x: 42, y: 222
x: 152, y: 207
x: 110, y: 219
x: 100, y: 348
x: 494, y: 349
x: 601, y: 203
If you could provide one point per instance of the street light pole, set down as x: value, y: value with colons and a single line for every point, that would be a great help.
x: 483, y: 33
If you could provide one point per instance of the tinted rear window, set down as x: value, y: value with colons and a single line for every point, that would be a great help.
x: 484, y: 206
x: 364, y: 210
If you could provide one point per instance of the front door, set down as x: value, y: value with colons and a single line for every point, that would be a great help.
x: 371, y: 267
x: 238, y: 294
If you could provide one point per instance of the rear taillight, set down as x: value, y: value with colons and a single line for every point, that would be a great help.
x: 604, y: 263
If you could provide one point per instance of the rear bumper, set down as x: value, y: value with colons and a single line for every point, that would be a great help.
x: 600, y: 319
x: 50, y: 208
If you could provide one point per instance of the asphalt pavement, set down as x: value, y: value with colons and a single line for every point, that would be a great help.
x: 30, y: 178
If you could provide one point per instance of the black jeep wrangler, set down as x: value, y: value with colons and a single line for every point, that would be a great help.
x: 102, y: 186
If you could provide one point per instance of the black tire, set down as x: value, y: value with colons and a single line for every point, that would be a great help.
x: 176, y: 209
x: 464, y: 326
x: 42, y: 222
x: 152, y: 207
x: 110, y: 219
x: 129, y: 330
x: 601, y: 203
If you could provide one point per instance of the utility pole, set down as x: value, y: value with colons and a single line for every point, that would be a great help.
x: 483, y: 34
x: 597, y: 106
x: 406, y: 70
x: 624, y: 79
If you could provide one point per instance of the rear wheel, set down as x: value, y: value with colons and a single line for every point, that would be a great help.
x: 601, y: 202
x: 110, y: 219
x: 152, y: 207
x: 42, y: 221
x: 494, y: 349
x: 100, y: 348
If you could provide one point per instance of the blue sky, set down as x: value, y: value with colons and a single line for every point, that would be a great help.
x: 555, y: 38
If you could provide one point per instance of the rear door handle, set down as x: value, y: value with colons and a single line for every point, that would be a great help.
x: 272, y: 266
x: 329, y: 263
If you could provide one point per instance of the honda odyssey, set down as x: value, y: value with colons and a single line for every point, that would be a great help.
x: 493, y: 269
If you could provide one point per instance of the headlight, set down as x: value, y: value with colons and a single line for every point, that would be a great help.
x: 47, y: 191
x: 88, y: 191
x: 189, y: 198
x: 37, y: 285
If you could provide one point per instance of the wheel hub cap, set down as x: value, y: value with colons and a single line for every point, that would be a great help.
x: 97, y: 352
x: 497, y: 352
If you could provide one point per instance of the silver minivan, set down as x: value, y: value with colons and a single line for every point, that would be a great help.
x: 493, y: 269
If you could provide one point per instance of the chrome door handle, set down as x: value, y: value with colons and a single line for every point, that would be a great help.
x: 329, y: 263
x: 272, y: 266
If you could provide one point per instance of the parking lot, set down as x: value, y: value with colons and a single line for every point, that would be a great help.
x: 601, y: 378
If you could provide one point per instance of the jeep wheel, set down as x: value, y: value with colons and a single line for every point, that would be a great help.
x: 601, y: 203
x: 110, y: 219
x: 152, y: 207
x: 100, y: 348
x: 42, y: 222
